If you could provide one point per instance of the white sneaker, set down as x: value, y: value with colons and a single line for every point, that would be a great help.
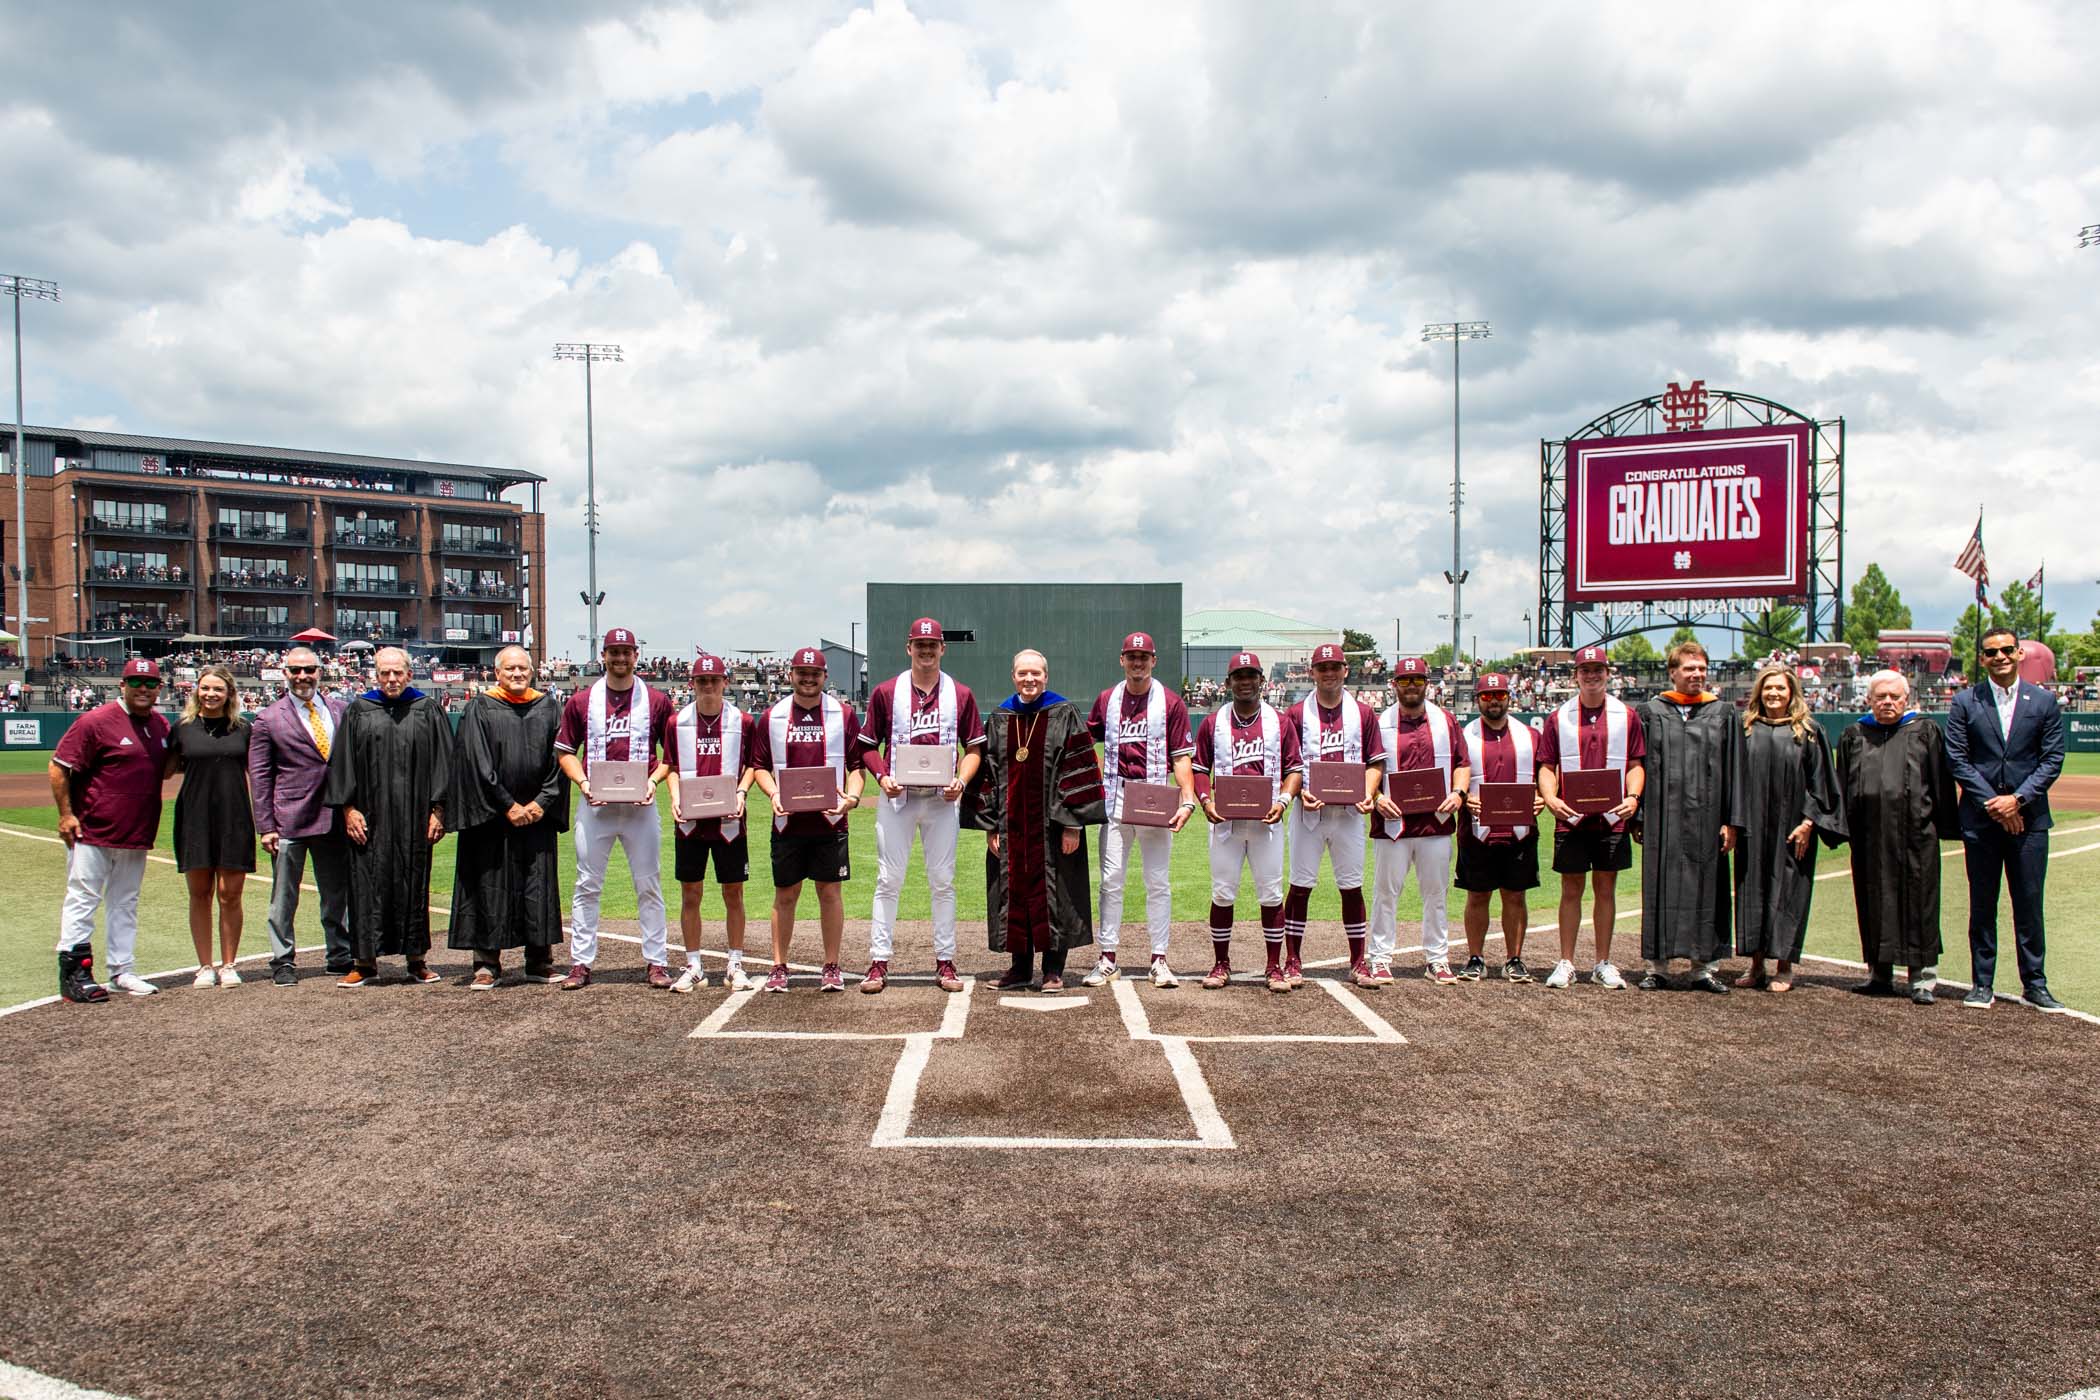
x: 736, y: 979
x: 692, y: 978
x: 1562, y: 975
x: 206, y: 977
x: 1606, y: 975
x: 1104, y: 973
x: 129, y: 981
x: 1162, y: 975
x: 228, y: 977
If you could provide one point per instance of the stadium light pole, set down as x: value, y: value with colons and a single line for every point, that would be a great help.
x: 1456, y: 331
x: 589, y: 352
x: 17, y: 286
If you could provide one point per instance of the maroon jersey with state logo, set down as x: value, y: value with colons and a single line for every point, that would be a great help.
x: 806, y: 749
x: 883, y: 729
x: 1128, y: 761
x: 1240, y: 752
x: 622, y: 726
x: 1331, y: 734
x: 113, y: 764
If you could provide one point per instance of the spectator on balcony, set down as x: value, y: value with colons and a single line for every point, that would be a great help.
x: 214, y: 824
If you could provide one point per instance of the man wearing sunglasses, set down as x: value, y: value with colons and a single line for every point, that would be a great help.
x: 287, y: 767
x: 105, y: 781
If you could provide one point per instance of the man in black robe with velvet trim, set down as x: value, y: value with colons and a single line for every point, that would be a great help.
x: 509, y: 803
x: 1038, y: 790
x: 1691, y: 815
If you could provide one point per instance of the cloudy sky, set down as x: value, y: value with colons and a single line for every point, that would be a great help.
x: 972, y: 290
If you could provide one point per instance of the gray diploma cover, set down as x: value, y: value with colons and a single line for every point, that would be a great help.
x: 626, y: 780
x: 1336, y: 782
x: 808, y: 790
x: 699, y: 798
x: 922, y: 765
x: 1152, y: 804
x: 1240, y: 799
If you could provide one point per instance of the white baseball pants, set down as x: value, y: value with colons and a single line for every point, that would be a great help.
x: 1430, y: 858
x: 938, y: 823
x: 1155, y: 845
x: 634, y: 827
x: 1246, y: 844
x: 1339, y: 831
x: 105, y: 878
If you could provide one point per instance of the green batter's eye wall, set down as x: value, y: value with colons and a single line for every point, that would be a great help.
x: 1078, y: 627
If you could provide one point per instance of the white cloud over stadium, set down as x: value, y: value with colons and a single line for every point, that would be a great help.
x: 1075, y: 291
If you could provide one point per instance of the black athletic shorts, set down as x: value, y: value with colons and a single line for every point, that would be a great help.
x: 732, y: 859
x: 1506, y: 865
x: 820, y: 858
x: 1587, y: 848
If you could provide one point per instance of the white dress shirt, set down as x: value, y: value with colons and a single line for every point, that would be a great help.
x: 2008, y: 700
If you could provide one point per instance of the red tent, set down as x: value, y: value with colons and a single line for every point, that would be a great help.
x: 312, y: 634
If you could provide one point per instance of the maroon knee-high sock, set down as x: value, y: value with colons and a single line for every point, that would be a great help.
x: 1272, y: 931
x: 1295, y: 905
x: 1354, y: 924
x: 1221, y: 931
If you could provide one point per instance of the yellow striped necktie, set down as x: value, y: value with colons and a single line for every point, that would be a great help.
x: 313, y: 722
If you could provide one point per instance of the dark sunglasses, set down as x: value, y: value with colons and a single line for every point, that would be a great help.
x: 2000, y: 651
x: 301, y: 670
x: 142, y: 682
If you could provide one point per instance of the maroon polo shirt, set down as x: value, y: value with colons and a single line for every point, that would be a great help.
x: 114, y: 762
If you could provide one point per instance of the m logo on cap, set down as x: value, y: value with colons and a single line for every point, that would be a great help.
x: 1592, y: 656
x: 617, y: 637
x: 810, y: 656
x: 1139, y: 641
x: 1245, y: 661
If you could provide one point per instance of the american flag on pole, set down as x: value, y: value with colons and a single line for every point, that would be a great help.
x: 1971, y: 563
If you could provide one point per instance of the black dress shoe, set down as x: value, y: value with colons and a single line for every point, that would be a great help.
x: 1707, y: 982
x: 1875, y: 988
x: 2038, y: 997
x: 1979, y: 998
x: 283, y: 976
x: 1922, y: 995
x: 1654, y: 982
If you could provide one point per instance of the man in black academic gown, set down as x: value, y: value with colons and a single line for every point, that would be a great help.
x: 509, y: 802
x: 388, y: 771
x: 1039, y: 788
x: 1899, y: 805
x: 1690, y: 818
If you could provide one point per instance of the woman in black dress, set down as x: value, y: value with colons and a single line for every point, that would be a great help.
x: 214, y: 823
x: 1790, y: 799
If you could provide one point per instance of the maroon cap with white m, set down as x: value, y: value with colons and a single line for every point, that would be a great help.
x: 1243, y: 661
x: 1139, y: 641
x: 926, y: 630
x: 1410, y: 666
x: 1326, y: 652
x: 811, y: 657
x: 1592, y: 656
x: 708, y: 664
x: 618, y: 637
x: 142, y: 667
x: 1492, y: 683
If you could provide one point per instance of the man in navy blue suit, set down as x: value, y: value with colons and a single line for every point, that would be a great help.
x: 2005, y: 743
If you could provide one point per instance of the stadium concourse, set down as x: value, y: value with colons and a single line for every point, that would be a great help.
x: 1484, y: 1190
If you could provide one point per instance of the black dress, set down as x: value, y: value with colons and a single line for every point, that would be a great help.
x: 214, y: 821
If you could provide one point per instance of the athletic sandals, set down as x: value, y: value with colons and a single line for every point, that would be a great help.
x: 878, y: 977
x: 1563, y: 975
x: 1162, y: 975
x: 1219, y: 975
x: 693, y: 979
x: 483, y: 980
x: 1105, y: 971
x: 946, y: 977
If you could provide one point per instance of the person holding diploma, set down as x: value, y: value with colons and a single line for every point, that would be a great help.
x: 1419, y: 736
x: 711, y: 738
x: 617, y: 719
x: 810, y: 729
x: 1594, y: 732
x: 1498, y: 857
x: 1332, y: 727
x: 920, y: 708
x: 1247, y: 739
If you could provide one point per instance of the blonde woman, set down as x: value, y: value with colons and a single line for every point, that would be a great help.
x: 214, y: 823
x: 1789, y: 798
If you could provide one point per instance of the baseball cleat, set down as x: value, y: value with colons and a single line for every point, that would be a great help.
x: 878, y: 977
x: 1162, y: 975
x: 1361, y: 976
x: 1277, y: 978
x: 1440, y: 973
x: 579, y: 977
x: 1294, y: 972
x: 660, y: 977
x: 1219, y: 975
x: 1381, y: 971
x: 1105, y: 972
x: 946, y: 976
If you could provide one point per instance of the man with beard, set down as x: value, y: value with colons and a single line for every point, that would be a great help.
x: 509, y: 802
x: 1247, y: 738
x: 1335, y: 727
x: 1037, y: 792
x: 1497, y: 859
x: 388, y: 772
x: 1899, y: 805
x: 1593, y: 731
x: 617, y: 719
x: 1417, y: 734
x: 1691, y: 814
x: 287, y: 768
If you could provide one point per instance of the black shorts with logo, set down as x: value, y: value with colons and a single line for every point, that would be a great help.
x: 1485, y: 867
x: 823, y: 858
x: 1586, y: 848
x: 732, y: 859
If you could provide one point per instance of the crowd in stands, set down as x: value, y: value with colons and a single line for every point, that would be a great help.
x: 261, y: 578
x: 138, y: 573
x: 127, y: 620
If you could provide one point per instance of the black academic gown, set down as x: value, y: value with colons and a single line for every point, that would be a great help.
x: 506, y: 892
x: 1690, y: 795
x: 392, y: 761
x: 1899, y: 805
x: 1031, y: 882
x: 1784, y: 781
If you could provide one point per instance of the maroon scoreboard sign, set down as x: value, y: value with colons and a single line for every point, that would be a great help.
x: 1711, y: 514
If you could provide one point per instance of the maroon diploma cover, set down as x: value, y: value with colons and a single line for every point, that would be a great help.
x: 1506, y: 804
x: 808, y: 790
x: 1592, y: 790
x: 1336, y: 782
x: 1152, y: 804
x: 1240, y: 799
x: 619, y: 780
x: 700, y: 798
x: 1417, y: 790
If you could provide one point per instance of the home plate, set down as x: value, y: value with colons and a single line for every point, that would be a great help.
x: 1042, y: 1003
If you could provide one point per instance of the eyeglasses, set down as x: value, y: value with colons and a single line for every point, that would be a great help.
x: 142, y: 683
x: 2000, y: 651
x: 302, y: 670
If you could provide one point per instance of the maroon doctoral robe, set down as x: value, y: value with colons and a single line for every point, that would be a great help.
x: 1037, y: 897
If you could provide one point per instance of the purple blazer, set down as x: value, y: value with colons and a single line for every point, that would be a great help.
x: 286, y: 772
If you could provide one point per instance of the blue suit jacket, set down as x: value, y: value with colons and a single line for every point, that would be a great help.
x: 1988, y: 764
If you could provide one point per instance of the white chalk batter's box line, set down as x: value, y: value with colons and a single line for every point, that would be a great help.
x: 1210, y: 1130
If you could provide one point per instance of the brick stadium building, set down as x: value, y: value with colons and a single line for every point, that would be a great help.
x: 143, y: 544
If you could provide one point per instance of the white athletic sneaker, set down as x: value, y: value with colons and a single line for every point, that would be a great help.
x: 1104, y: 973
x: 1563, y: 973
x: 129, y: 981
x: 691, y: 979
x: 1162, y: 975
x: 228, y: 977
x: 206, y: 977
x: 1606, y: 975
x: 736, y: 979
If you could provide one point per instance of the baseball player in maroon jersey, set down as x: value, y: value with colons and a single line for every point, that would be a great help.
x: 1332, y: 726
x: 1498, y: 859
x: 1247, y: 738
x: 711, y: 738
x: 1594, y: 730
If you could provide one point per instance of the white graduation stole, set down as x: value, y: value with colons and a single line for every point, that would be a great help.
x: 901, y: 695
x: 688, y: 737
x: 1439, y: 747
x: 1271, y: 745
x: 639, y: 710
x: 834, y: 746
x: 1568, y: 726
x: 1352, y: 729
x: 1155, y: 742
x: 1520, y: 742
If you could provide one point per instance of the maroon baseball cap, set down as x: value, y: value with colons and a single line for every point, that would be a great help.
x: 1490, y: 683
x: 927, y: 630
x: 1140, y: 641
x: 142, y: 666
x: 1410, y: 666
x: 1243, y: 661
x: 617, y: 637
x: 809, y: 656
x: 1326, y: 652
x: 1592, y: 656
x: 708, y: 664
